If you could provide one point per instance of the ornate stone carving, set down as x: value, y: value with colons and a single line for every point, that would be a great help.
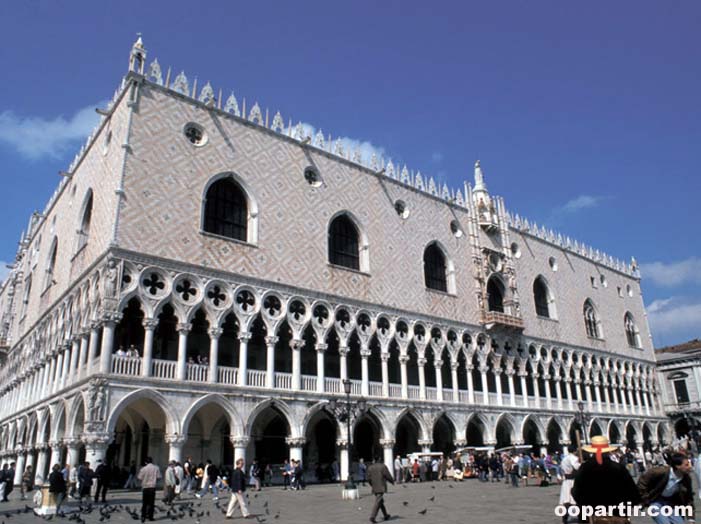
x: 96, y: 404
x: 295, y: 442
x: 239, y: 442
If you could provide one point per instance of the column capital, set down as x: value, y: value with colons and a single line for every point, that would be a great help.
x: 95, y: 440
x: 342, y: 443
x: 54, y: 444
x: 438, y: 363
x: 215, y: 332
x: 42, y: 446
x: 175, y: 439
x: 454, y: 365
x: 484, y: 369
x: 110, y: 317
x: 150, y: 323
x: 321, y: 347
x: 421, y: 362
x: 245, y: 337
x: 295, y: 442
x: 387, y: 443
x: 425, y: 442
x: 183, y: 328
x: 365, y: 353
x: 497, y: 371
x: 296, y: 344
x: 460, y: 443
x: 72, y: 442
x: 403, y: 359
x: 271, y: 340
x: 239, y: 442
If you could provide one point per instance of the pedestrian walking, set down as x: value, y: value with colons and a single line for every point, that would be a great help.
x: 148, y: 476
x: 238, y: 487
x: 668, y: 486
x: 210, y: 475
x: 85, y: 476
x: 27, y: 484
x: 57, y: 485
x: 73, y: 480
x: 570, y: 465
x: 398, y: 469
x: 286, y: 474
x: 255, y: 475
x: 131, y: 479
x: 169, y: 483
x: 379, y: 476
x: 9, y: 479
x: 103, y: 474
x: 179, y: 478
x: 603, y: 482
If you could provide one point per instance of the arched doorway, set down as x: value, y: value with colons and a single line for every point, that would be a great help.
x: 139, y: 433
x: 208, y: 436
x: 269, y: 432
x: 443, y: 436
x: 474, y: 434
x: 504, y: 433
x: 631, y: 437
x: 595, y: 429
x: 554, y: 436
x: 407, y: 436
x: 614, y: 434
x: 531, y: 435
x: 366, y: 438
x: 320, y: 450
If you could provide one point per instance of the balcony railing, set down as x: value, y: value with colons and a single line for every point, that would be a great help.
x: 167, y: 370
x: 495, y: 319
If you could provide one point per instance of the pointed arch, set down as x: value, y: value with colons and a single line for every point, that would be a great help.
x: 424, y: 432
x: 85, y: 221
x: 543, y: 298
x: 172, y: 421
x: 347, y: 242
x: 278, y: 405
x: 232, y: 415
x: 438, y: 268
x: 229, y: 208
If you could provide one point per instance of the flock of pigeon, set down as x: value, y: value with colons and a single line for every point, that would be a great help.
x: 179, y: 510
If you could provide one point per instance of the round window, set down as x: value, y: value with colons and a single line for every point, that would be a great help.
x: 312, y: 177
x: 401, y: 208
x: 515, y: 250
x: 195, y: 134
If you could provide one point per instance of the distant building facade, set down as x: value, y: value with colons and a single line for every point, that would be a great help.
x: 204, y: 280
x: 679, y: 368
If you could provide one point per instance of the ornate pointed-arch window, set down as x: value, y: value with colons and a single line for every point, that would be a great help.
x: 85, y: 221
x: 495, y: 295
x: 51, y: 264
x: 632, y: 333
x: 226, y: 210
x: 343, y: 243
x: 541, y: 296
x: 591, y: 321
x: 434, y: 268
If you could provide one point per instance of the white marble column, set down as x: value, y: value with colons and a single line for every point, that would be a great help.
x: 270, y: 361
x: 95, y: 447
x: 387, y: 454
x: 597, y: 393
x: 214, y: 334
x: 403, y: 359
x: 485, y: 386
x: 421, y: 362
x: 342, y: 446
x: 548, y: 393
x: 181, y: 369
x: 470, y: 385
x: 454, y: 365
x: 92, y: 348
x: 83, y: 356
x: 365, y: 374
x: 73, y: 445
x: 107, y: 343
x: 438, y: 364
x: 42, y: 460
x: 646, y: 404
x: 72, y: 374
x: 320, y: 364
x: 558, y: 392
x: 150, y: 326
x: 56, y: 446
x: 296, y: 445
x: 512, y: 389
x: 296, y: 347
x: 524, y: 389
x: 384, y: 357
x: 19, y: 465
x: 240, y: 444
x: 175, y: 446
x: 343, y: 358
x: 243, y: 359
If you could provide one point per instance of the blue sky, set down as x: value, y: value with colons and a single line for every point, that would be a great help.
x: 585, y: 116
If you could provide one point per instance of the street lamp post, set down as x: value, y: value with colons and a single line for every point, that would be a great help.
x: 582, y: 421
x: 347, y: 411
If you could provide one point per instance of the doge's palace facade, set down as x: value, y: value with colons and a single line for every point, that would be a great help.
x: 206, y: 276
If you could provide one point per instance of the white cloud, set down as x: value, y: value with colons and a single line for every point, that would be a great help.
x: 4, y: 271
x: 674, y: 273
x: 35, y: 137
x: 675, y: 316
x: 366, y: 149
x: 581, y: 202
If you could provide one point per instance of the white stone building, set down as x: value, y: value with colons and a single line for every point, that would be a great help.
x: 251, y: 268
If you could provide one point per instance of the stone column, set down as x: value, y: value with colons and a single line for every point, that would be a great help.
x: 72, y: 374
x: 646, y: 404
x: 83, y: 357
x: 524, y: 389
x: 42, y: 459
x: 181, y: 370
x: 587, y: 395
x: 243, y: 359
x: 29, y: 462
x: 343, y: 357
x: 558, y: 391
x: 438, y: 364
x: 270, y: 361
x: 320, y: 372
x: 296, y: 347
x: 421, y: 362
x: 384, y: 357
x: 96, y: 446
x: 150, y: 326
x: 512, y: 389
x: 365, y: 374
x: 214, y: 334
x: 425, y: 445
x: 623, y: 406
x: 568, y: 388
x: 470, y: 384
x: 607, y: 397
x: 403, y: 359
x: 387, y: 454
x: 536, y: 389
x: 497, y: 381
x: 454, y: 366
x: 597, y: 394
x: 342, y: 446
x: 548, y: 393
x: 240, y: 444
x: 73, y: 445
x: 55, y: 446
x: 107, y: 343
x: 92, y: 348
x: 175, y: 446
x: 296, y: 446
x: 58, y: 372
x: 640, y: 402
x: 485, y: 386
x: 19, y: 466
x: 67, y: 358
x: 48, y: 377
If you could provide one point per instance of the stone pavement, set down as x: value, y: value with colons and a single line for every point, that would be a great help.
x: 469, y: 502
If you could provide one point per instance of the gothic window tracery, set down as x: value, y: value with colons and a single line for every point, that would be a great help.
x: 51, y: 264
x: 495, y: 295
x: 591, y: 321
x: 541, y: 296
x: 85, y: 221
x: 632, y: 333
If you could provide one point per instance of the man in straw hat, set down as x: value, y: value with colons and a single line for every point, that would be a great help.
x: 668, y: 486
x: 603, y: 482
